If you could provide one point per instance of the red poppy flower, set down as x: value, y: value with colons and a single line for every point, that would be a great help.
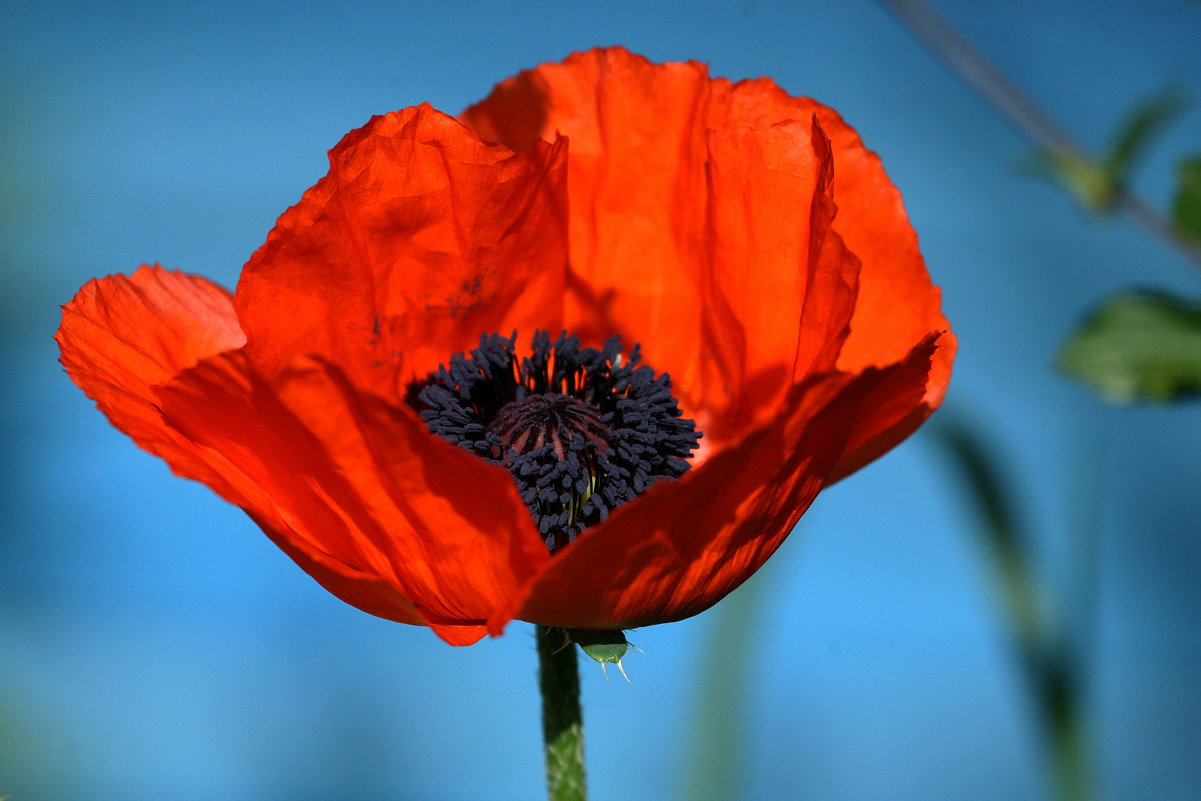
x: 745, y: 238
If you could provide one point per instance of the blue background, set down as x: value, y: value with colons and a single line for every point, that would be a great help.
x: 155, y: 645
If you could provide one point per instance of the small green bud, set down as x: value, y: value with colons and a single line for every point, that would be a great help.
x: 602, y: 646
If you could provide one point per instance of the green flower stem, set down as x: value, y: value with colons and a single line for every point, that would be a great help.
x: 562, y: 722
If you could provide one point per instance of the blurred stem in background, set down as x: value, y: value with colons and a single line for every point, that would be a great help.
x: 1051, y: 662
x: 715, y: 766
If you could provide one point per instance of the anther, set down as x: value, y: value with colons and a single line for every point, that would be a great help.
x: 582, y: 430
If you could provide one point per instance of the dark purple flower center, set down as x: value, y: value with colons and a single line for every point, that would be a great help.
x: 582, y: 430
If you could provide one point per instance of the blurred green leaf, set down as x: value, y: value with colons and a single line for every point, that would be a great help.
x: 1139, y: 129
x: 1187, y: 208
x: 989, y: 492
x: 1138, y: 346
x: 1040, y: 651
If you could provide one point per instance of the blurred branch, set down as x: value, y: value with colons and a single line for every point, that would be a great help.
x: 967, y: 63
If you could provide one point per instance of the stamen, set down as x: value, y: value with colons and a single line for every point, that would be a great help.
x: 582, y: 430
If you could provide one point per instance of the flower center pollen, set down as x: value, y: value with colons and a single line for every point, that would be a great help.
x: 581, y: 430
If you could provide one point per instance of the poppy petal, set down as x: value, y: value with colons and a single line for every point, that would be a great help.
x: 887, y: 419
x: 684, y: 545
x: 690, y: 231
x: 897, y: 304
x: 362, y: 590
x: 637, y: 187
x: 345, y: 477
x: 778, y: 288
x: 120, y: 335
x: 421, y: 237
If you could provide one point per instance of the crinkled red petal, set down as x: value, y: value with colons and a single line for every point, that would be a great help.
x: 120, y: 335
x: 421, y: 238
x: 691, y: 231
x: 123, y: 336
x: 886, y: 420
x: 897, y: 304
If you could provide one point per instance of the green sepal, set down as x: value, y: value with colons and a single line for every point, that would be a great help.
x: 601, y: 646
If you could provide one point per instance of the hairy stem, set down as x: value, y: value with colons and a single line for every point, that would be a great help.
x: 562, y: 721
